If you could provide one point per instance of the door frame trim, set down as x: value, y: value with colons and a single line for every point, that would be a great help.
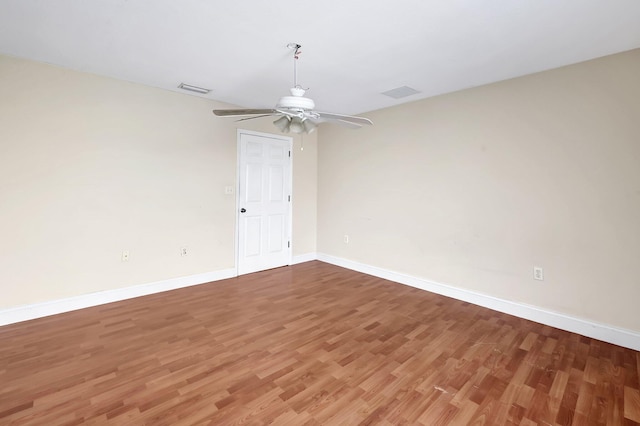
x: 236, y: 239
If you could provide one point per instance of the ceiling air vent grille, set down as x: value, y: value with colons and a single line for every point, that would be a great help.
x: 400, y: 92
x: 195, y: 89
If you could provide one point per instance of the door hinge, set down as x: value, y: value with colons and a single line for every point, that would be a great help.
x: 289, y: 198
x: 288, y: 244
x: 289, y: 154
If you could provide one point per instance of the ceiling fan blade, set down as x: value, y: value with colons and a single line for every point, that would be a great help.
x: 342, y: 123
x: 346, y: 118
x: 236, y: 112
x: 255, y: 116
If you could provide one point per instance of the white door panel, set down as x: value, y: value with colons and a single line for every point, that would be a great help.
x: 251, y: 243
x: 253, y: 183
x: 276, y: 232
x: 264, y: 220
x: 276, y: 185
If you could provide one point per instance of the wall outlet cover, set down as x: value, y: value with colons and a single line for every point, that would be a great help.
x: 538, y: 273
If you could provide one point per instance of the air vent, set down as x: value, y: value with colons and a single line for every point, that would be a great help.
x: 196, y: 89
x: 400, y: 92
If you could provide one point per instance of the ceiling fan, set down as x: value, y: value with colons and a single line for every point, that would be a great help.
x: 296, y: 113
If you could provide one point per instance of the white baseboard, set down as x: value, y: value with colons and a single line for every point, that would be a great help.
x: 618, y: 336
x: 38, y: 310
x: 607, y: 333
x: 301, y: 258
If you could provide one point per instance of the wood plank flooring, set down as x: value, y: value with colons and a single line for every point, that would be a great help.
x: 312, y: 344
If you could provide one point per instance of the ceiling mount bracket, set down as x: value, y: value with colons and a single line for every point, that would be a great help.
x: 296, y: 47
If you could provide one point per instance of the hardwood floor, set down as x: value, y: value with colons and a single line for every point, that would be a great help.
x: 312, y: 344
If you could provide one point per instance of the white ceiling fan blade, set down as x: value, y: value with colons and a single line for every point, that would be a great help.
x: 239, y: 112
x: 346, y: 118
x: 342, y: 123
x: 256, y: 116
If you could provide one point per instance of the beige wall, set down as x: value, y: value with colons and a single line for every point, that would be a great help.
x: 91, y: 166
x: 474, y: 188
x: 470, y: 189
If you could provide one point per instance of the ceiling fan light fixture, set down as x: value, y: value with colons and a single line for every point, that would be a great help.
x: 283, y: 123
x: 309, y: 126
x: 297, y: 125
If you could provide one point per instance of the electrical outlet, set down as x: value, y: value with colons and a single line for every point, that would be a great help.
x: 125, y: 255
x: 538, y: 273
x: 183, y: 251
x: 346, y: 239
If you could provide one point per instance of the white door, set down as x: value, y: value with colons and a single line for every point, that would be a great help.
x: 264, y: 202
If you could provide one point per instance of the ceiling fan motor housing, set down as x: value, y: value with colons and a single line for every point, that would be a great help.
x: 296, y: 102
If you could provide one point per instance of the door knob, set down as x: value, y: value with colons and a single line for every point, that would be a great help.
x: 243, y: 210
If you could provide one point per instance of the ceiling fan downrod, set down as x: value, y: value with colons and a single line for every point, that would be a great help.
x: 296, y: 55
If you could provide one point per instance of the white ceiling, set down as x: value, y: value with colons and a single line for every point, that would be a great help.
x: 353, y: 50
